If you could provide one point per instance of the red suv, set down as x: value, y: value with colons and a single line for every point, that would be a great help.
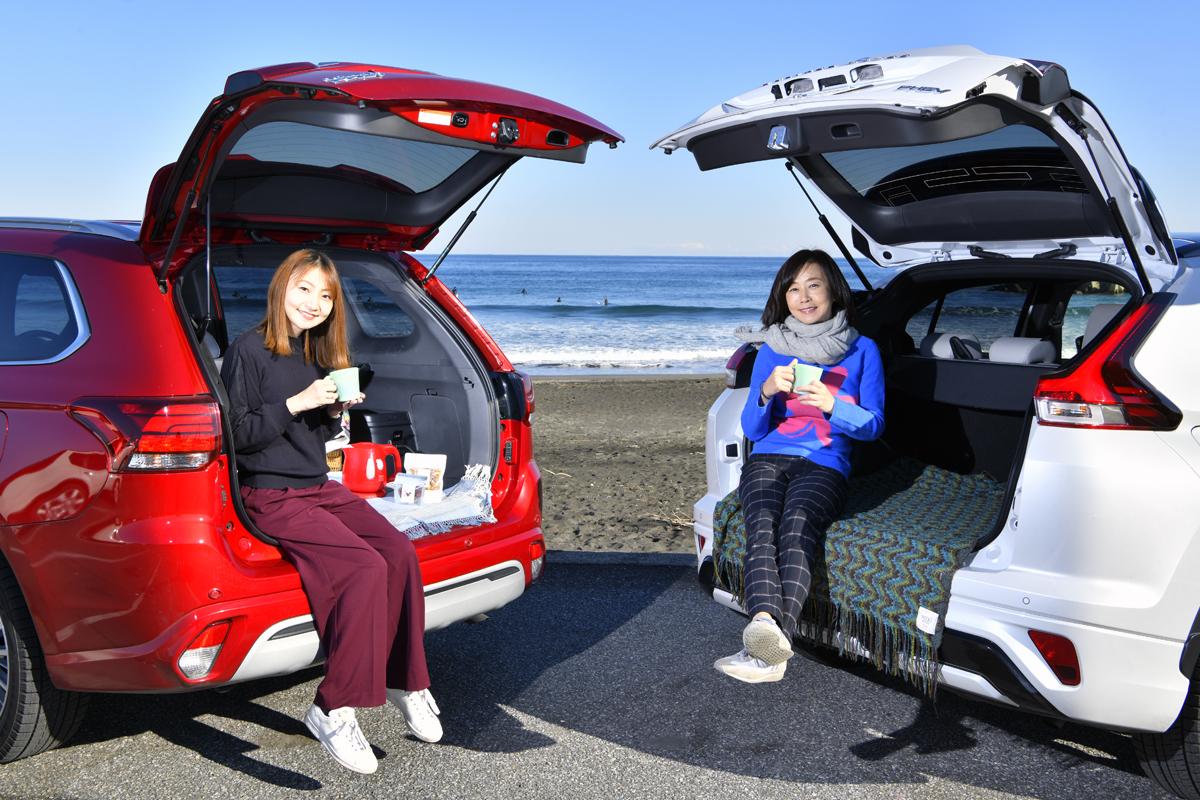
x: 126, y: 561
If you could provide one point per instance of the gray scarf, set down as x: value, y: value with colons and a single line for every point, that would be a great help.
x: 819, y: 343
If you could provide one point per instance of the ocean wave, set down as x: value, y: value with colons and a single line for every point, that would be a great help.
x: 610, y: 358
x: 615, y: 309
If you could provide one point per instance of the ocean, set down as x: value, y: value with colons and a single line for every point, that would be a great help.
x: 569, y: 315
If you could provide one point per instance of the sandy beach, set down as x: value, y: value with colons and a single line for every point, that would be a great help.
x: 622, y: 459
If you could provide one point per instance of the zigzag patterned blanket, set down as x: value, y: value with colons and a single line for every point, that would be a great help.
x: 882, y: 583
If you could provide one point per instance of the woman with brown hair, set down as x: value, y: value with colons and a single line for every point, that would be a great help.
x: 360, y: 574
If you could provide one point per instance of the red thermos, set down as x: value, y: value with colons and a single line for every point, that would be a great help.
x: 369, y: 466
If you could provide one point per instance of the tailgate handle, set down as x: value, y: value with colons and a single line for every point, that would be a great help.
x: 846, y: 130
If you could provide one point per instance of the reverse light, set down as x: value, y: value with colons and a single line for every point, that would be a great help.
x: 1104, y: 390
x: 153, y: 434
x: 197, y: 660
x: 537, y: 559
x: 1059, y: 653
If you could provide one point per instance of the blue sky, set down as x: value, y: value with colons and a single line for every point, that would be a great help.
x: 100, y: 95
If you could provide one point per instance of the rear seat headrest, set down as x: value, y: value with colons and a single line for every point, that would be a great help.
x: 937, y: 345
x: 1101, y: 315
x: 1021, y: 350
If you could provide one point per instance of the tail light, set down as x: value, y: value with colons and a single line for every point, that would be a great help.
x: 739, y: 366
x: 537, y: 559
x: 1059, y: 653
x: 197, y: 660
x: 527, y: 385
x: 1104, y: 390
x: 153, y: 434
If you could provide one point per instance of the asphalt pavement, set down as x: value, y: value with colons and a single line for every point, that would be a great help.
x: 598, y: 683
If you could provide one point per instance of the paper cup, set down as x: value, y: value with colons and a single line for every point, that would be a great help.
x: 347, y: 383
x: 805, y: 374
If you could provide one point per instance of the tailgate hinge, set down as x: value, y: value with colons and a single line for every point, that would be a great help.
x: 1112, y: 255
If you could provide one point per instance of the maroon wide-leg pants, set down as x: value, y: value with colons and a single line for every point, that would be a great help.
x: 364, y: 586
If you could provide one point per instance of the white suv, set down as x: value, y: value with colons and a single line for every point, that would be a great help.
x: 1005, y: 207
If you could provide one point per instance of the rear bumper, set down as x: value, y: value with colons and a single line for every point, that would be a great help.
x: 292, y: 644
x: 273, y: 634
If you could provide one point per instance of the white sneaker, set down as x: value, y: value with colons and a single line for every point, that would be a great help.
x: 338, y: 731
x: 420, y: 712
x: 749, y: 669
x: 764, y: 640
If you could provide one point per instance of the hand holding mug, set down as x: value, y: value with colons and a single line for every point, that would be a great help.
x: 816, y: 394
x: 320, y: 392
x: 780, y: 380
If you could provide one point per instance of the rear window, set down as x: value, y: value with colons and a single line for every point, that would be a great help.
x: 1013, y: 158
x: 244, y: 300
x: 412, y: 166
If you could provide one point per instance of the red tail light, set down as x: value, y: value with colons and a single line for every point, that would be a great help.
x: 527, y: 384
x: 1104, y: 390
x: 738, y: 364
x: 154, y: 434
x: 1059, y: 653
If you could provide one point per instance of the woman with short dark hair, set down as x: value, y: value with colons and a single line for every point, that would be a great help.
x: 816, y: 386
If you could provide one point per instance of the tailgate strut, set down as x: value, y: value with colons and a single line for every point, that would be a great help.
x: 461, y: 228
x: 1077, y: 125
x: 791, y: 168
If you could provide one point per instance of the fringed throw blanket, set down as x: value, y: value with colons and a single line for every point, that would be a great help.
x: 881, y: 585
x: 467, y: 503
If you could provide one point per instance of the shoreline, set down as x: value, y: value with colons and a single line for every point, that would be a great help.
x: 622, y: 460
x: 627, y: 377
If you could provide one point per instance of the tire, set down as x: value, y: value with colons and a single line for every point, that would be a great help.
x: 1172, y: 758
x: 34, y: 714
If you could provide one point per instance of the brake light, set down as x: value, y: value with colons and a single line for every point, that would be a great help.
x: 197, y: 660
x: 153, y: 434
x: 739, y: 362
x: 1059, y: 653
x: 527, y: 385
x: 1104, y: 390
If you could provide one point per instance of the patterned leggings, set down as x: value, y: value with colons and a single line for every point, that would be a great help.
x: 788, y: 503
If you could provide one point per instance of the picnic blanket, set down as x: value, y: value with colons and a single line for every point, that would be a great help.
x: 468, y: 502
x: 881, y: 584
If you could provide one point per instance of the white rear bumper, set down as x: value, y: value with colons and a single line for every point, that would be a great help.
x: 292, y: 644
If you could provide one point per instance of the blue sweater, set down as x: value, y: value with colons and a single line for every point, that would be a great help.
x: 788, y: 427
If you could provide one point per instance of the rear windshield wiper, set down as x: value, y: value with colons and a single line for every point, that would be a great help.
x: 1062, y: 251
x: 979, y: 252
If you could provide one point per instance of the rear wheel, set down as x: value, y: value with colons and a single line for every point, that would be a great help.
x: 34, y: 714
x: 1172, y: 759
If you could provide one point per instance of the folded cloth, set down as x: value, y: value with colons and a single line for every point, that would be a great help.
x: 468, y: 502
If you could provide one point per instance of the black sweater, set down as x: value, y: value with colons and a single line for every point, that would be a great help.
x: 274, y: 448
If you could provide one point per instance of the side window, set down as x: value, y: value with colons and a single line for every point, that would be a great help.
x: 41, y: 315
x: 982, y: 313
x: 1089, y: 308
x: 377, y: 313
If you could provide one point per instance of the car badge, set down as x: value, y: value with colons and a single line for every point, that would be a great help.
x: 351, y: 77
